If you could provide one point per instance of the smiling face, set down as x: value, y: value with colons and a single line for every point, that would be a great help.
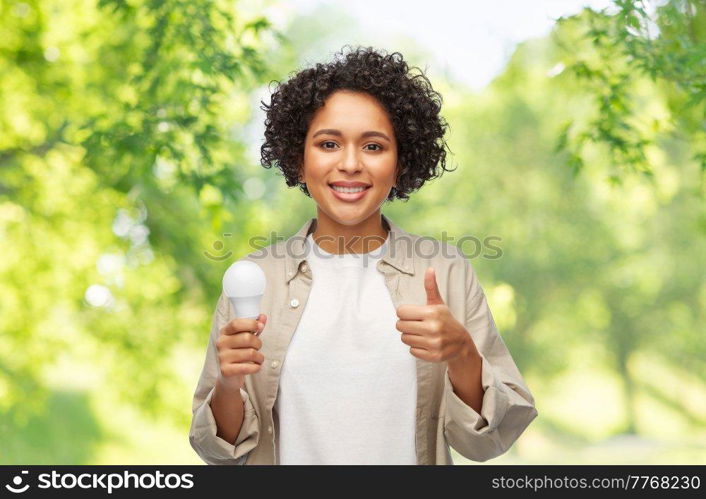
x: 350, y: 141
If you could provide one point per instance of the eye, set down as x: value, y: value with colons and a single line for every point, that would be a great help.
x: 379, y: 147
x: 323, y: 144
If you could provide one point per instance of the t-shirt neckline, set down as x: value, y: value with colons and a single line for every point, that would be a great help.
x: 358, y: 259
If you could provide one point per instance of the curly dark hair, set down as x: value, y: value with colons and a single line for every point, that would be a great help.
x: 412, y: 105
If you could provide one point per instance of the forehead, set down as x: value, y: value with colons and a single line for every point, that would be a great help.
x: 346, y: 109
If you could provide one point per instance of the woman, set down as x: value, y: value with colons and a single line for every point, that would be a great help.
x: 377, y: 346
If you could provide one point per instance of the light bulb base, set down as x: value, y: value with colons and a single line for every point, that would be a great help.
x: 247, y: 307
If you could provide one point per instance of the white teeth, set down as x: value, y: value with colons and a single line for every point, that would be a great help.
x: 348, y: 190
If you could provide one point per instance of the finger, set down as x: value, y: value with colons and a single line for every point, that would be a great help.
x: 422, y: 354
x: 239, y: 369
x: 432, y: 288
x: 241, y: 340
x: 412, y: 327
x: 414, y: 340
x: 240, y: 325
x: 242, y: 355
x: 261, y: 321
x: 413, y: 312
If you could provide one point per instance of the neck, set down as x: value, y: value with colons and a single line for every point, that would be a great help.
x: 362, y: 237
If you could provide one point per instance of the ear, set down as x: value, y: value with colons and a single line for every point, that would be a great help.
x: 300, y: 175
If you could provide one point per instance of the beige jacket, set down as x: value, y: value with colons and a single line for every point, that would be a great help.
x: 443, y: 419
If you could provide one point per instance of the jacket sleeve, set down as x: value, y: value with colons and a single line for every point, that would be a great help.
x: 202, y: 435
x: 508, y: 406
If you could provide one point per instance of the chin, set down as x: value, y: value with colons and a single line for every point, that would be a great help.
x: 346, y: 217
x: 349, y: 220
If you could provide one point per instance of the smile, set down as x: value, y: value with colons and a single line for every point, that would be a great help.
x: 349, y: 193
x: 348, y: 190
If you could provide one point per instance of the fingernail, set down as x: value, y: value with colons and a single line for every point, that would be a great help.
x: 260, y: 326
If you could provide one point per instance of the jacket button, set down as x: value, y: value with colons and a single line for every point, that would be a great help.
x: 275, y: 364
x: 305, y: 268
x: 269, y: 429
x: 294, y: 303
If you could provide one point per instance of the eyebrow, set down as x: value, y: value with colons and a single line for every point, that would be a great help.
x: 369, y: 133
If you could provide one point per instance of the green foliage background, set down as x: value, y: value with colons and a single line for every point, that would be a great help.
x: 128, y: 184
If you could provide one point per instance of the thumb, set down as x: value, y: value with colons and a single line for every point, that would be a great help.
x: 262, y: 318
x: 432, y: 288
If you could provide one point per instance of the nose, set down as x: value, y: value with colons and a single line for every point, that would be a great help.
x: 351, y: 161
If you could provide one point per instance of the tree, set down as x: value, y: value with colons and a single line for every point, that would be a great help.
x: 612, y: 53
x: 118, y: 160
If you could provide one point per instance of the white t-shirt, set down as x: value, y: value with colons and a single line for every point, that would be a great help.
x: 348, y: 386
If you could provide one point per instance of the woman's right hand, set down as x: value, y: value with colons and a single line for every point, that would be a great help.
x: 239, y: 351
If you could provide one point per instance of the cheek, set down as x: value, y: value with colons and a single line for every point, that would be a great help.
x: 318, y: 159
x: 385, y: 171
x: 315, y: 167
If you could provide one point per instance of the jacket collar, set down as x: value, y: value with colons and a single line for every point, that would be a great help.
x: 398, y: 252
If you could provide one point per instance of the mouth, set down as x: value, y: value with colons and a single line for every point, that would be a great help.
x: 349, y: 193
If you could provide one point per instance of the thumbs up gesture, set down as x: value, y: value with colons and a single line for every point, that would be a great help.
x: 430, y: 330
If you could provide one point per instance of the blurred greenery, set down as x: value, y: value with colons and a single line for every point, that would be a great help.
x: 612, y: 53
x: 129, y: 181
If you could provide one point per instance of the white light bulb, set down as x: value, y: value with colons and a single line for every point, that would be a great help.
x: 244, y: 285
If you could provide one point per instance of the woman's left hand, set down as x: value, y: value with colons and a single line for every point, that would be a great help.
x: 431, y: 331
